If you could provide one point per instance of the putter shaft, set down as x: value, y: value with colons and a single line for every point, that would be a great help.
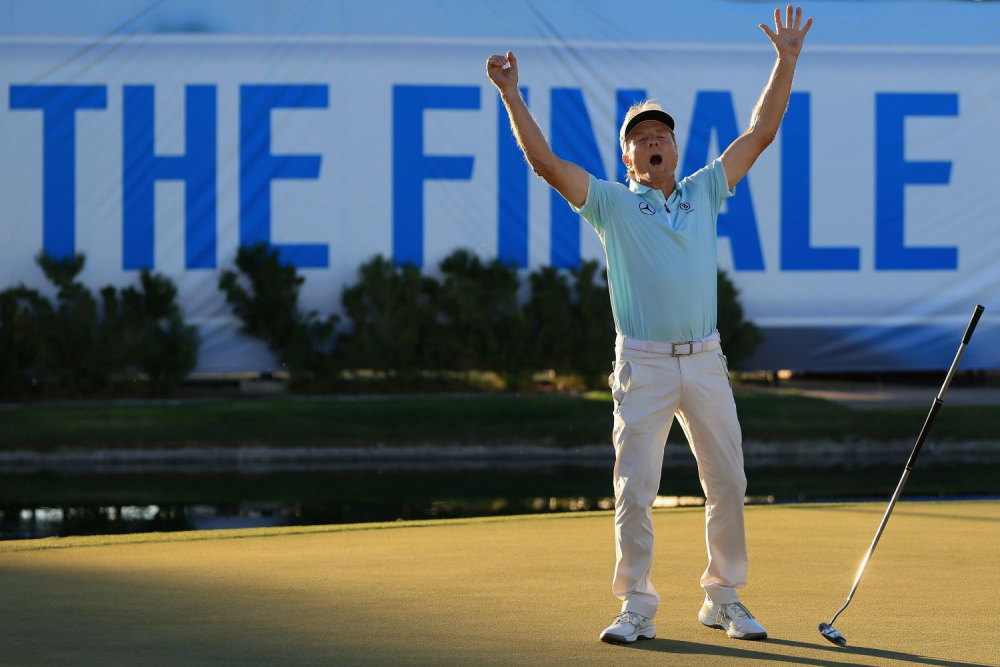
x: 935, y: 407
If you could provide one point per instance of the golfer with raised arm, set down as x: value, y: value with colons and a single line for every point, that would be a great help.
x: 659, y: 236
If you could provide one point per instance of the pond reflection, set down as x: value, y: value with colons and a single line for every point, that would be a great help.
x: 43, y: 505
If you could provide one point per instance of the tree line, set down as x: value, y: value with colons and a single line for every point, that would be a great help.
x: 401, y: 329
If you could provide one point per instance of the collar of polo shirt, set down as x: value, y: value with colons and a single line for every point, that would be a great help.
x: 641, y: 190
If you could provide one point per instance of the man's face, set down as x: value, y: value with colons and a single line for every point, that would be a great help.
x: 650, y: 152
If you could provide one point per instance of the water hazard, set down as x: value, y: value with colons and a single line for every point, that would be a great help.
x: 49, y: 504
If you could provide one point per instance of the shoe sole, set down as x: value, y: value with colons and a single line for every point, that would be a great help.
x: 619, y: 639
x: 749, y: 636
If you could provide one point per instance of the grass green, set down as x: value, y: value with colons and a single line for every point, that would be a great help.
x: 542, y: 419
x: 514, y: 591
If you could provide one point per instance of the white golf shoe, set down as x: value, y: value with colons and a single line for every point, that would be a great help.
x: 627, y: 627
x: 734, y: 618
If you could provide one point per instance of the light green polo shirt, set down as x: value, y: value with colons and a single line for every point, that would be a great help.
x: 661, y: 254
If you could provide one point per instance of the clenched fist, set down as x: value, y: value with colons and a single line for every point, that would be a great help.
x: 504, y: 78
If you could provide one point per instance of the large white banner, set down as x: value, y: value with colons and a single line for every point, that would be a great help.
x: 861, y: 240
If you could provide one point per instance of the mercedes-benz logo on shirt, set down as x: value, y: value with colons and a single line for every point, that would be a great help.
x: 646, y: 208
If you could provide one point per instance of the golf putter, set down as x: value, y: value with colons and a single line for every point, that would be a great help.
x: 827, y: 629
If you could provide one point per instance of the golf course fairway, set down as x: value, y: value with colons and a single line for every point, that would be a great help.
x: 509, y: 591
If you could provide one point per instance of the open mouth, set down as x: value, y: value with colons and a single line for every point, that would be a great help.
x: 655, y: 160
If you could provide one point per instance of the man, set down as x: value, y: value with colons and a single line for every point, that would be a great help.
x: 660, y: 240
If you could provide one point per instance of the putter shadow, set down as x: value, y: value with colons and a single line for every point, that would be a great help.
x: 880, y: 653
x: 826, y: 658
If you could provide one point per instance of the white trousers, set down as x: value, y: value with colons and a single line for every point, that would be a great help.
x: 649, y: 388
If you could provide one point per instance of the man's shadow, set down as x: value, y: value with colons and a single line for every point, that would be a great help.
x: 825, y: 656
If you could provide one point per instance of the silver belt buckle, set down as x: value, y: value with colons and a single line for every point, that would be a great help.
x: 674, y: 351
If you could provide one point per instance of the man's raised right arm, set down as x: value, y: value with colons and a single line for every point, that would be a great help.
x: 568, y: 179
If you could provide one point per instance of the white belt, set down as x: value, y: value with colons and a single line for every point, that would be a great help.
x: 679, y: 349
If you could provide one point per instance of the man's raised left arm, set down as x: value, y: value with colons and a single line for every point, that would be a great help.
x: 770, y: 108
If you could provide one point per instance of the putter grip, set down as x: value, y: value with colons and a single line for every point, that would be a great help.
x: 972, y: 324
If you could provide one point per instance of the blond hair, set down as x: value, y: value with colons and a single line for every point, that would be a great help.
x: 637, y: 108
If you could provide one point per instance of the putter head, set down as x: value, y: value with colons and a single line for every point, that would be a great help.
x: 831, y: 633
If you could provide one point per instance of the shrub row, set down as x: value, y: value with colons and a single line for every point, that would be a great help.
x: 79, y: 344
x: 401, y: 325
x: 471, y: 317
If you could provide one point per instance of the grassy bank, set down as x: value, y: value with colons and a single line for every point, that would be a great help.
x: 541, y: 419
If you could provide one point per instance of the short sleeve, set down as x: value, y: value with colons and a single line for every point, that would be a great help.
x: 597, y: 209
x: 713, y: 179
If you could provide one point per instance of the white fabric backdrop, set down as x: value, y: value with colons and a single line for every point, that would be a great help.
x: 832, y: 174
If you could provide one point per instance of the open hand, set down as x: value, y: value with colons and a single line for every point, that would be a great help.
x: 503, y: 78
x: 788, y: 38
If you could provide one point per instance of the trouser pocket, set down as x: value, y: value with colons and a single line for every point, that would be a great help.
x: 620, y: 381
x: 725, y: 367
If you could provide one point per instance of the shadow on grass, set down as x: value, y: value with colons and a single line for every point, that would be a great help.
x: 97, y: 619
x: 877, y: 653
x: 823, y: 658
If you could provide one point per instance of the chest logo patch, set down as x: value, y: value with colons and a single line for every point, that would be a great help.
x: 686, y: 207
x: 646, y: 208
